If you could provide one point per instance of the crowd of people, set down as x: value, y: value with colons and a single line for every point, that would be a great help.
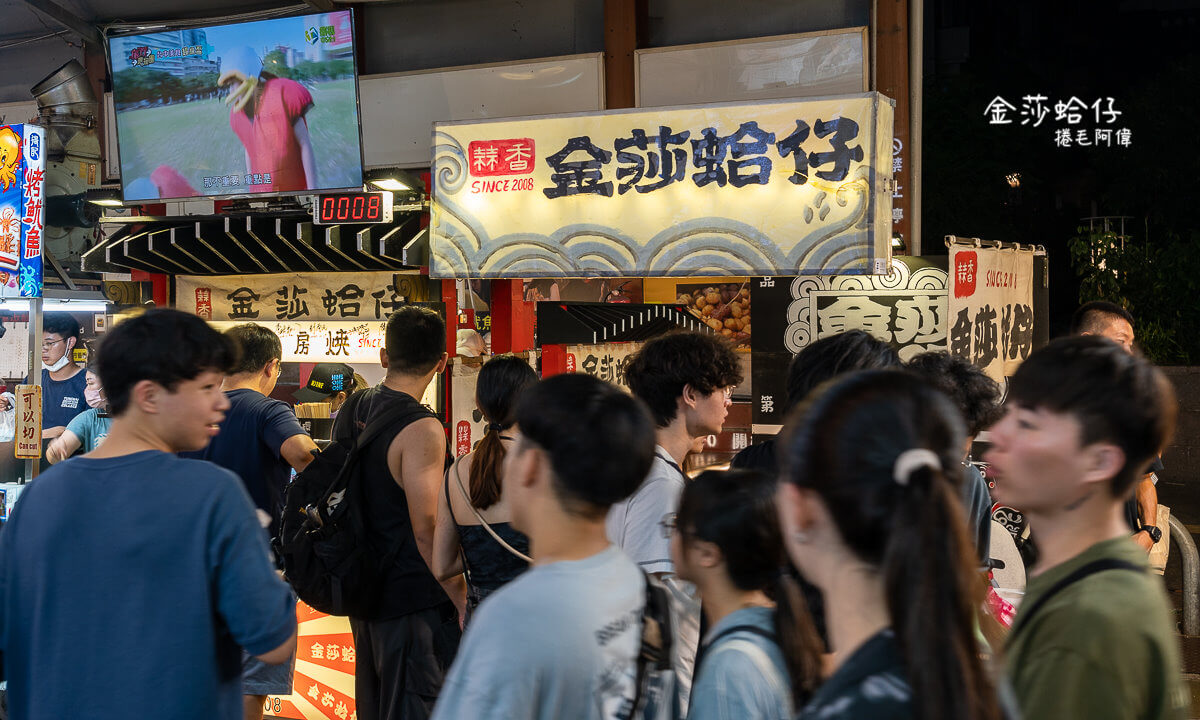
x: 836, y: 571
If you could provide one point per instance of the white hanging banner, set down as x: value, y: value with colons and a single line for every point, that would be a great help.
x: 991, y: 307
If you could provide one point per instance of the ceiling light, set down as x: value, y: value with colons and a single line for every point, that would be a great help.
x: 391, y: 184
x: 22, y: 305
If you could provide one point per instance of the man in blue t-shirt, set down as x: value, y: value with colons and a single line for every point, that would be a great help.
x: 129, y: 577
x: 63, y: 381
x: 262, y: 441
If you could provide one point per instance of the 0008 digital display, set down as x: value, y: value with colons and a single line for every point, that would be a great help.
x: 352, y: 207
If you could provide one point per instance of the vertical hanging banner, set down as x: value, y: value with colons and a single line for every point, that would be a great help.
x: 991, y: 307
x: 28, y: 435
x: 788, y: 187
x: 22, y: 209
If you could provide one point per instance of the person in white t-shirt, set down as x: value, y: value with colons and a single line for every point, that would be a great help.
x: 687, y: 380
x: 561, y: 640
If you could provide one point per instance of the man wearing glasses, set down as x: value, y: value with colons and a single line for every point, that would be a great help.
x: 63, y: 382
x: 687, y: 380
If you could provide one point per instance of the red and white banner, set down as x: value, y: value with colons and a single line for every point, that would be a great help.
x: 991, y: 307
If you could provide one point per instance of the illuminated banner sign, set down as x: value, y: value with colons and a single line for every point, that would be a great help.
x: 364, y: 296
x: 771, y: 188
x: 22, y: 209
x: 312, y: 342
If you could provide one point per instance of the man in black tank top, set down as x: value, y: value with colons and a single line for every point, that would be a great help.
x: 407, y: 644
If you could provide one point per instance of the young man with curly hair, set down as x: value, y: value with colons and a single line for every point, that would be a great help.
x: 687, y: 380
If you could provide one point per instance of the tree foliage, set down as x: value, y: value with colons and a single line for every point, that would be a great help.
x: 1156, y: 276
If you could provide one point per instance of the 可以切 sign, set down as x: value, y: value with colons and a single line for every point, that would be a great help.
x: 28, y: 434
x: 298, y: 296
x: 22, y: 209
x: 991, y: 314
x: 771, y: 188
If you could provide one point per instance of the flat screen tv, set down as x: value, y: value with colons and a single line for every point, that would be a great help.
x: 257, y: 108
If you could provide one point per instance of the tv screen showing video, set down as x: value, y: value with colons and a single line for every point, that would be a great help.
x: 255, y: 108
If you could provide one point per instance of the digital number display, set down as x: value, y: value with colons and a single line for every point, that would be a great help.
x: 353, y: 207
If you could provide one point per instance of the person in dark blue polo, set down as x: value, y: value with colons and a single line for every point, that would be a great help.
x: 63, y: 381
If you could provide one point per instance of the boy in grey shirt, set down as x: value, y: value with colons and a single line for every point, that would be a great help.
x: 561, y: 641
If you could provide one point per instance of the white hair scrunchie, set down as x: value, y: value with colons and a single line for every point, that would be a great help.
x: 910, y: 461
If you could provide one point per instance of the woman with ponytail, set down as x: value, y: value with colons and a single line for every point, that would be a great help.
x: 727, y: 543
x: 473, y: 535
x: 870, y: 511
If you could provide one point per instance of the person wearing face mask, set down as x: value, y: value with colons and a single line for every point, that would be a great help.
x: 87, y: 429
x: 63, y: 382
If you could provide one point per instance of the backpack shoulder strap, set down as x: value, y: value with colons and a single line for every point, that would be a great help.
x: 389, y: 417
x: 1096, y: 566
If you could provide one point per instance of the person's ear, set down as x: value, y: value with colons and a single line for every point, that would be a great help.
x: 706, y: 554
x: 147, y: 396
x: 690, y: 396
x: 1101, y: 462
x: 441, y: 366
x: 383, y: 359
x: 272, y: 369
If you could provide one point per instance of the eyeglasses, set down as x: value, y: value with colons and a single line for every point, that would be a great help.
x: 728, y: 392
x: 667, y: 525
x: 48, y: 345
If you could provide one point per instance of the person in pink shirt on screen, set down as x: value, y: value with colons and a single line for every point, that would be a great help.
x: 267, y: 113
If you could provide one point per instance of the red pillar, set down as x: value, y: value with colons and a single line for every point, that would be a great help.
x: 512, y: 318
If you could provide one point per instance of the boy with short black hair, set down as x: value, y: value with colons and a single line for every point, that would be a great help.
x: 261, y: 440
x: 561, y: 640
x: 129, y: 576
x: 1093, y: 637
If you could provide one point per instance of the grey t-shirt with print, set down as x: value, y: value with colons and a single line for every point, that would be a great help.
x: 635, y: 524
x: 560, y: 641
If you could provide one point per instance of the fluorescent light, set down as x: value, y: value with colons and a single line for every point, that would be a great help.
x: 107, y: 203
x: 390, y: 184
x: 21, y: 305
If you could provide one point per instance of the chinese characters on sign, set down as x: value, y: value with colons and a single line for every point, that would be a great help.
x: 913, y: 323
x: 28, y: 433
x: 22, y: 210
x: 607, y: 362
x: 906, y: 308
x: 991, y: 320
x: 308, y: 341
x: 1086, y: 124
x: 776, y: 187
x: 299, y: 296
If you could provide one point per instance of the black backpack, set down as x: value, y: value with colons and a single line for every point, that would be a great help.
x: 322, y: 543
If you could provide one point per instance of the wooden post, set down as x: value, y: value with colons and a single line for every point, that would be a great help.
x: 620, y: 40
x: 890, y: 60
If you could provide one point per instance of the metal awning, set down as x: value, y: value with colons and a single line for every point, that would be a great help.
x: 584, y: 323
x: 250, y: 244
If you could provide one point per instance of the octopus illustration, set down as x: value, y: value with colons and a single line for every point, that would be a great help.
x: 10, y: 157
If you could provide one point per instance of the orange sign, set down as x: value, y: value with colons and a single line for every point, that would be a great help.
x: 28, y: 445
x: 323, y: 685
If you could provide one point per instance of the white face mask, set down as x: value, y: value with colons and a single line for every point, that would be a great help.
x: 62, y: 362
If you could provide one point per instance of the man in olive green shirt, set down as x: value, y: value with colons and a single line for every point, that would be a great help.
x: 1093, y: 637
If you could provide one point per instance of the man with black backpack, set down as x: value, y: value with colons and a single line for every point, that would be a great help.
x: 564, y: 639
x: 1094, y: 636
x: 407, y: 632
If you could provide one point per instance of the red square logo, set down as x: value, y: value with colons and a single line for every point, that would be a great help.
x: 966, y: 268
x: 487, y: 158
